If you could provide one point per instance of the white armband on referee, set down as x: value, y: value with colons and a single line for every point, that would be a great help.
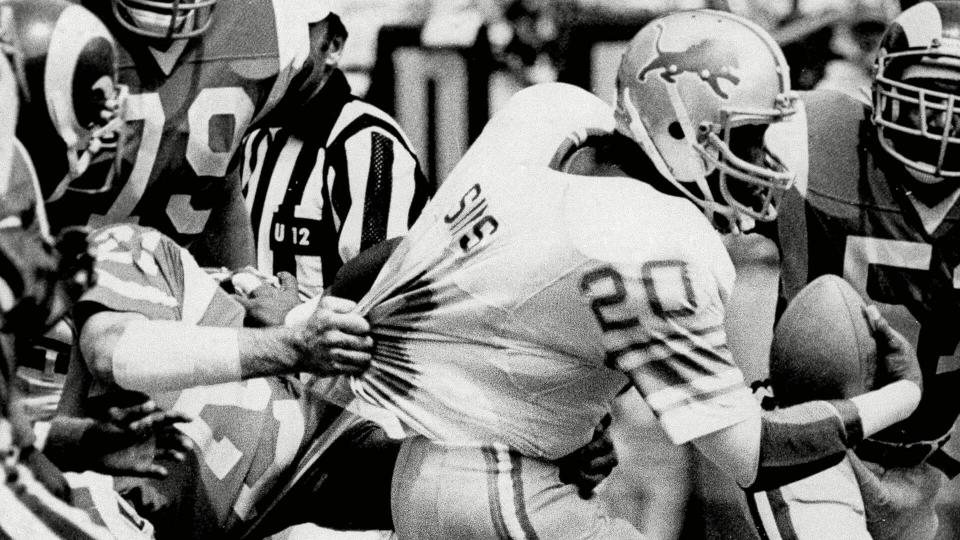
x: 299, y: 315
x: 159, y: 356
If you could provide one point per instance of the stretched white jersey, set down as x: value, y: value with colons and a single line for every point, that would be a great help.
x: 518, y: 304
x: 540, y: 125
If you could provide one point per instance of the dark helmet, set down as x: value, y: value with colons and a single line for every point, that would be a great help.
x: 916, y: 91
x: 71, y: 109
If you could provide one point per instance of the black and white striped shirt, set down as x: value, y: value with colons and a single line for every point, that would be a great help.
x: 316, y: 200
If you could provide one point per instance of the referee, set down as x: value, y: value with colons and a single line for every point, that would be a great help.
x: 330, y: 183
x: 320, y: 188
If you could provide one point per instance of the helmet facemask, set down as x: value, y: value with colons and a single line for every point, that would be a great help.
x: 165, y: 19
x: 750, y: 176
x: 917, y: 112
x: 729, y: 172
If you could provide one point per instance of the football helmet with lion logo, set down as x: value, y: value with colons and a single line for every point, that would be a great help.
x: 699, y: 107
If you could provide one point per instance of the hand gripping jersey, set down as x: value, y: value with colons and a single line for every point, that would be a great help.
x: 849, y: 216
x: 517, y: 304
x: 188, y: 110
x: 246, y: 434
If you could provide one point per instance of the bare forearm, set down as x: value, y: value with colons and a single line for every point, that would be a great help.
x: 172, y: 355
x: 151, y: 356
x: 269, y: 351
x: 787, y: 444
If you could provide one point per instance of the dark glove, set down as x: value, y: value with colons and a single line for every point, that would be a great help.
x: 589, y: 465
x: 896, y: 359
x: 268, y: 305
x: 125, y: 437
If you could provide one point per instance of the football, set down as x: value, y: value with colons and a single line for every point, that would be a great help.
x: 822, y: 346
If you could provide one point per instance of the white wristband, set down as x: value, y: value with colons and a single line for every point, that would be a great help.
x: 883, y: 407
x: 158, y: 356
x: 299, y: 315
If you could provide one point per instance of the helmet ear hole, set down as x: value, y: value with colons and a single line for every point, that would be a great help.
x: 686, y: 79
x: 675, y: 130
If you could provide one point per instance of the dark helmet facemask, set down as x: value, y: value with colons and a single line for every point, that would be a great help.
x: 916, y: 91
x: 918, y: 123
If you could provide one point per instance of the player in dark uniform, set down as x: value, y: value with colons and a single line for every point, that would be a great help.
x: 876, y: 203
x: 199, y: 74
x: 39, y: 279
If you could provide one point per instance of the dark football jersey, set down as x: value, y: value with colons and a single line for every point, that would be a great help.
x: 188, y: 109
x: 27, y: 266
x: 246, y: 434
x: 849, y: 215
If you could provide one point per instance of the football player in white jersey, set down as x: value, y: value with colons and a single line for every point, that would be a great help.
x: 247, y: 434
x: 525, y: 299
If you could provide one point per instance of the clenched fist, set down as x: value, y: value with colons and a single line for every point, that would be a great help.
x: 335, y: 340
x: 896, y: 359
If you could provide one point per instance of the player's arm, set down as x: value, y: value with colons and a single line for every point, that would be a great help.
x: 785, y: 445
x: 677, y: 356
x: 227, y: 239
x: 136, y: 353
x: 156, y: 321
